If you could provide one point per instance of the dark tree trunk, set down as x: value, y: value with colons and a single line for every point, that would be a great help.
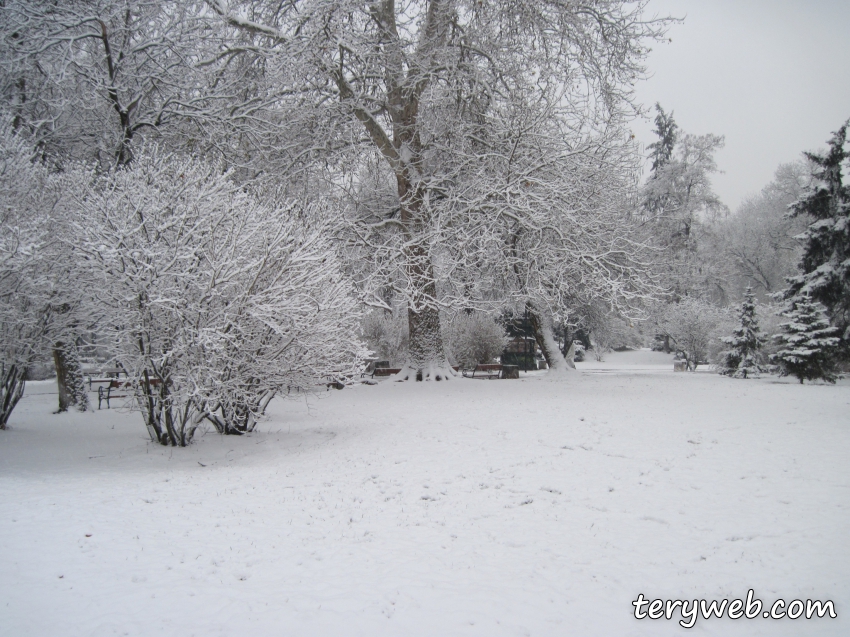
x: 12, y: 385
x: 61, y: 365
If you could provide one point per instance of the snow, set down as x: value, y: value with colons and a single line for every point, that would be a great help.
x: 464, y: 508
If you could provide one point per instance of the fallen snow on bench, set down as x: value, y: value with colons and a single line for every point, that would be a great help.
x: 462, y: 508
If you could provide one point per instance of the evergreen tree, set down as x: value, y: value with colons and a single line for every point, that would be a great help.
x: 825, y: 263
x: 809, y: 340
x: 665, y: 129
x: 741, y: 360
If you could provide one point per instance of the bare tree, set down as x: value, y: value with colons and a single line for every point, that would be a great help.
x: 759, y: 240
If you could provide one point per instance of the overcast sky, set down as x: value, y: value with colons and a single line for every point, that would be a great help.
x: 772, y: 76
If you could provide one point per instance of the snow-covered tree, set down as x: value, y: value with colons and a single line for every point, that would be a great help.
x: 26, y: 202
x: 212, y: 301
x: 609, y: 332
x: 825, y: 264
x: 88, y: 78
x: 541, y: 217
x: 678, y: 206
x: 416, y: 78
x: 809, y: 341
x: 691, y: 324
x: 741, y: 359
x: 661, y: 151
x: 759, y: 243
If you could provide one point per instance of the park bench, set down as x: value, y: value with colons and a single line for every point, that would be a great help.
x: 385, y: 371
x: 379, y: 368
x: 484, y: 370
x: 492, y: 371
x: 105, y: 376
x: 108, y: 392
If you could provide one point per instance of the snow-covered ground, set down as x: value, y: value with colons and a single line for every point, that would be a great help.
x: 468, y: 507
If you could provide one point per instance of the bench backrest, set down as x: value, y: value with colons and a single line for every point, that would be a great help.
x: 122, y: 384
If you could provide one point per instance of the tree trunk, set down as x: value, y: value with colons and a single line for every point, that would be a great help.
x: 12, y: 385
x: 544, y: 333
x: 69, y: 377
x: 426, y: 356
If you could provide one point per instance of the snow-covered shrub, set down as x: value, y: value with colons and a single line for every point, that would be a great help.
x: 212, y: 301
x: 474, y: 338
x: 385, y: 333
x: 691, y: 325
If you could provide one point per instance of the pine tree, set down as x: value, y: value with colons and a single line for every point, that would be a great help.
x: 825, y: 263
x: 741, y: 360
x: 665, y: 129
x: 810, y: 342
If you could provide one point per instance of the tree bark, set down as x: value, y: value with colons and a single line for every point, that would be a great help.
x: 69, y: 378
x: 61, y: 377
x: 12, y: 388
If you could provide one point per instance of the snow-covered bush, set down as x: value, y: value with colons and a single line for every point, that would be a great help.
x: 385, y: 333
x: 212, y: 301
x: 474, y: 338
x: 691, y: 325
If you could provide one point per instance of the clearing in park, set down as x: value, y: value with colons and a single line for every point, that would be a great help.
x: 509, y: 507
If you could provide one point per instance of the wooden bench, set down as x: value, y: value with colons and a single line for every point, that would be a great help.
x: 484, y: 370
x: 106, y: 392
x: 386, y: 371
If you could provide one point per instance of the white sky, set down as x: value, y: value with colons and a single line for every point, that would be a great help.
x: 772, y: 76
